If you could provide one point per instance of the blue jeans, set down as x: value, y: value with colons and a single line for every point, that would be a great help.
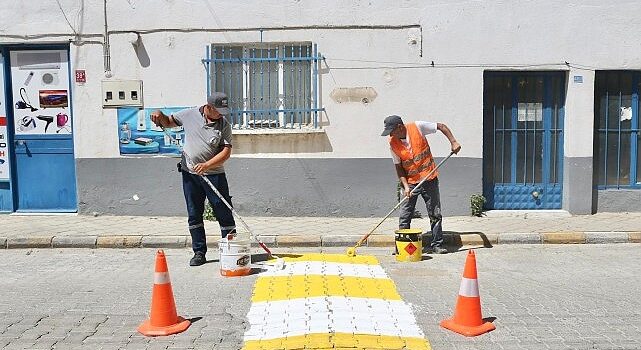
x: 196, y: 190
x: 430, y: 193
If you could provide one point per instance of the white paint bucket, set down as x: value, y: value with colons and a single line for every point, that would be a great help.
x: 235, y: 257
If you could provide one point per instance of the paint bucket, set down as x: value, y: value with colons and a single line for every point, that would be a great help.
x: 235, y: 257
x: 409, y: 244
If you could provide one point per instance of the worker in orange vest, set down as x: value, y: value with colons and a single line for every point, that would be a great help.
x: 413, y: 161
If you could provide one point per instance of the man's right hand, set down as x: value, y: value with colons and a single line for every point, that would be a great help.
x: 158, y: 117
x: 407, y: 191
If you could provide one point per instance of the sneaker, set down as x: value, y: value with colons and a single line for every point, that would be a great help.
x: 438, y: 250
x: 198, y: 259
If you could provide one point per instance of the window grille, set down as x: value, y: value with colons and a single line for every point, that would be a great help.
x: 616, y: 125
x: 269, y: 85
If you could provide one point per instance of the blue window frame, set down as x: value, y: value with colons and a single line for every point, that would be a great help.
x: 269, y: 85
x: 616, y: 125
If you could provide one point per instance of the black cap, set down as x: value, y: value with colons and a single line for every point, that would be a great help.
x: 391, y: 123
x: 219, y: 101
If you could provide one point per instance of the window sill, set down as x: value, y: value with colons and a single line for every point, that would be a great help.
x: 276, y: 131
x: 620, y: 188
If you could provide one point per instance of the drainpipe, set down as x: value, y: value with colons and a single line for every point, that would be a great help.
x: 106, y: 49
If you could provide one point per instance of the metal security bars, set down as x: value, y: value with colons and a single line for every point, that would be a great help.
x: 616, y: 124
x: 269, y: 85
x: 523, y: 128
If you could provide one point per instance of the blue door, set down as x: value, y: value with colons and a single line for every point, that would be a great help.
x: 523, y: 139
x: 6, y: 195
x: 44, y: 175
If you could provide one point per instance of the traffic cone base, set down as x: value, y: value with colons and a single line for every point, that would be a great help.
x: 468, y: 331
x: 153, y: 331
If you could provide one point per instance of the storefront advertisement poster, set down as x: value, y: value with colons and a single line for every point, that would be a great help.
x: 138, y: 135
x: 4, y: 150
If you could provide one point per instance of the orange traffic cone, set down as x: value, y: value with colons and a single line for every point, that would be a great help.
x: 467, y: 318
x: 164, y: 320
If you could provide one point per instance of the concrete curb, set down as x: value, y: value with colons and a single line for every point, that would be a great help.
x: 563, y: 237
x: 29, y: 242
x: 74, y: 242
x: 119, y: 242
x: 163, y: 242
x: 519, y: 238
x: 298, y: 241
x: 451, y: 239
x: 606, y: 237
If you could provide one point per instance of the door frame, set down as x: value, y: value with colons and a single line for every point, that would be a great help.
x: 8, y: 83
x: 515, y: 188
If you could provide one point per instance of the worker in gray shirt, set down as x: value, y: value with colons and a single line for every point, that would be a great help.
x: 207, y: 147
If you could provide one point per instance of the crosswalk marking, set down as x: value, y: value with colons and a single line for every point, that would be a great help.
x: 323, y: 301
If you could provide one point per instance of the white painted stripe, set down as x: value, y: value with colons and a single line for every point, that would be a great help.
x: 277, y: 319
x: 469, y: 288
x: 328, y: 268
x: 161, y: 277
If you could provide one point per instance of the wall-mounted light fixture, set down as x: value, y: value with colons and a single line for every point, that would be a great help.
x: 135, y: 39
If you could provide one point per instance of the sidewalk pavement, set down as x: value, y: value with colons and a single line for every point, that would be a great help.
x: 497, y: 227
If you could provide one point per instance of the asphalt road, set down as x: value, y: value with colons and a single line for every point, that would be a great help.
x: 540, y: 297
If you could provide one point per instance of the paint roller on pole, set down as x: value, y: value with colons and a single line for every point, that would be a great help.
x: 279, y: 261
x: 352, y: 250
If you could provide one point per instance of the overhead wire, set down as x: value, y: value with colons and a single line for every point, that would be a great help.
x: 432, y: 64
x: 66, y: 19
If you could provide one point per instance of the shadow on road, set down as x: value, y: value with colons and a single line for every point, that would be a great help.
x: 454, y: 241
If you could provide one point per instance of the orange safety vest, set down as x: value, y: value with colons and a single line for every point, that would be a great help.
x: 418, y: 161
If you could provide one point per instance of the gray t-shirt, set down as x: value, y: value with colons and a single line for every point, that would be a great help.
x: 203, y: 139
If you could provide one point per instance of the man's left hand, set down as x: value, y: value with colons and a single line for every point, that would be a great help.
x: 200, y: 168
x: 456, y: 147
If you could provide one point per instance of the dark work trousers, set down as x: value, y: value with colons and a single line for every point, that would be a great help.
x: 430, y: 194
x: 196, y: 190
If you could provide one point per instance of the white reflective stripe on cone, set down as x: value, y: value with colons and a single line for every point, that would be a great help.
x: 469, y: 288
x: 161, y: 277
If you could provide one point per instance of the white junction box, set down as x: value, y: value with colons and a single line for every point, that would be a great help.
x: 122, y: 93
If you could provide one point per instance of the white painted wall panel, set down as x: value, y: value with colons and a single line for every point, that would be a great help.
x: 506, y: 35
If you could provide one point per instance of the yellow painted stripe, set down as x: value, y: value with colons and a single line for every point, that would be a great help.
x: 337, y: 258
x: 309, y: 286
x: 339, y: 341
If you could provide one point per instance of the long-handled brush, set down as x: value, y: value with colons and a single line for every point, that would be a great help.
x: 280, y: 263
x: 352, y: 250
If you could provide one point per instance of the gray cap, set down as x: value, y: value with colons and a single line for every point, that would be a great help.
x: 391, y: 123
x: 219, y: 101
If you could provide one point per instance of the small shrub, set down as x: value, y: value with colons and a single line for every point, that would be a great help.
x: 209, y: 212
x: 477, y: 201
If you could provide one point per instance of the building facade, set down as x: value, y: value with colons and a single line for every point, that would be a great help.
x: 543, y: 97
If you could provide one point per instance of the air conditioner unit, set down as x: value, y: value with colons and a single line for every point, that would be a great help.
x: 30, y: 60
x: 50, y: 78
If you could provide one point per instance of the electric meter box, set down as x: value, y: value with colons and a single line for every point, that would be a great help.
x: 122, y: 93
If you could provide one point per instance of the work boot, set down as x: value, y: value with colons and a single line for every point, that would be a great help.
x: 198, y: 259
x: 438, y: 250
